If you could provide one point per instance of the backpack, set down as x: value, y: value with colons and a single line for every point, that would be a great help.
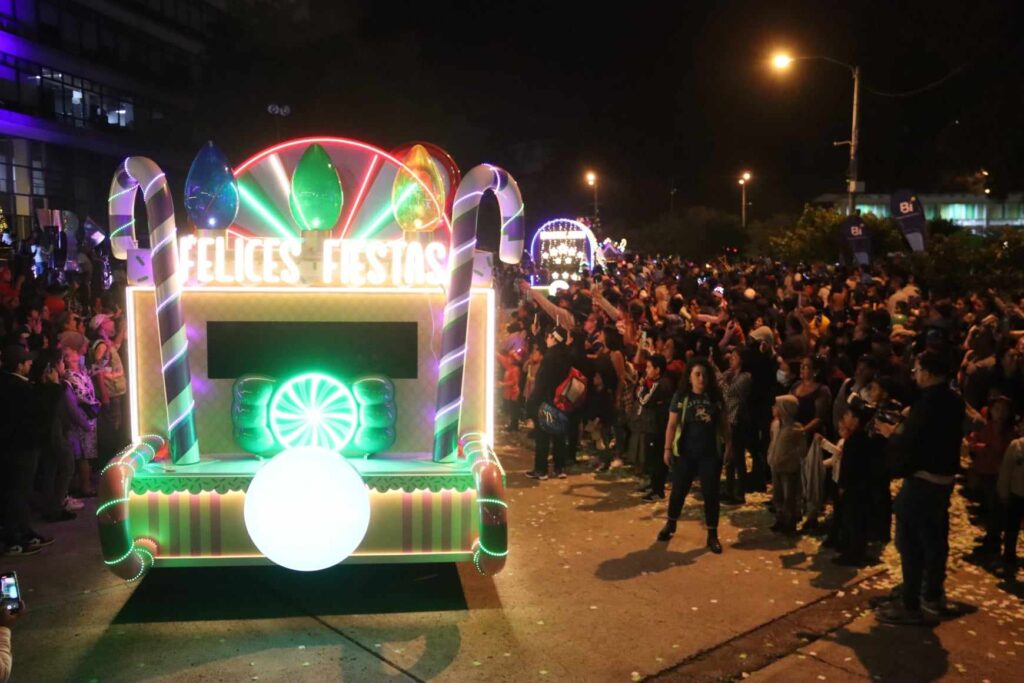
x: 572, y: 392
x: 552, y: 420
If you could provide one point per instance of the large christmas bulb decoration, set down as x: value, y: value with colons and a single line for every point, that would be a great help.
x: 211, y: 194
x: 414, y: 208
x: 316, y: 196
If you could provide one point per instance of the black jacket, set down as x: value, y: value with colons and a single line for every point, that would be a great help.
x: 19, y: 414
x: 931, y: 436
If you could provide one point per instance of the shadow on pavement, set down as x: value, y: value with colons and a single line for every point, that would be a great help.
x: 897, y: 653
x: 229, y: 593
x: 610, y: 496
x: 656, y: 558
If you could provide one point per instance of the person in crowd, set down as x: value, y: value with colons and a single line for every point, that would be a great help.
x: 859, y: 447
x: 510, y: 386
x: 654, y: 397
x: 82, y: 439
x: 20, y: 438
x: 553, y: 370
x: 786, y: 449
x: 1011, y: 493
x: 58, y: 408
x: 696, y: 441
x: 814, y: 412
x: 926, y: 454
x: 7, y: 618
x: 988, y: 446
x: 737, y: 384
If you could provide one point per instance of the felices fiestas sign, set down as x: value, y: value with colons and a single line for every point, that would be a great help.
x: 271, y: 261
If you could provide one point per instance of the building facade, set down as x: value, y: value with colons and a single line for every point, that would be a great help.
x: 84, y: 83
x: 974, y: 211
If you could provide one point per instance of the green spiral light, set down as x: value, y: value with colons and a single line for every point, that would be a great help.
x: 313, y: 410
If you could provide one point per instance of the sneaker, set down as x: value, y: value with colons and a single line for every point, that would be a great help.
x: 652, y: 497
x: 936, y: 608
x: 37, y: 540
x: 537, y: 475
x: 561, y: 475
x: 642, y: 488
x: 19, y: 549
x: 667, y: 531
x: 73, y: 504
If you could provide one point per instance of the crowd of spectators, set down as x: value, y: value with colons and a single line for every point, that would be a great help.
x: 62, y: 388
x: 819, y: 383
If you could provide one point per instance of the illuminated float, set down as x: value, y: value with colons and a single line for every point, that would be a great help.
x: 564, y: 249
x: 311, y: 371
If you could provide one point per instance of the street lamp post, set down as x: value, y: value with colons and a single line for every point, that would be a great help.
x: 592, y: 181
x: 744, y: 179
x: 781, y: 62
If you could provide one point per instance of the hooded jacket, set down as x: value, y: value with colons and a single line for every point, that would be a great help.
x: 787, y: 445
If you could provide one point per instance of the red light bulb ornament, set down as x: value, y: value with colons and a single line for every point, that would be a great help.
x: 316, y: 196
x: 415, y: 210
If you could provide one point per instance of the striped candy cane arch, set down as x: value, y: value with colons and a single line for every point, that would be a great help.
x: 466, y: 209
x: 135, y: 173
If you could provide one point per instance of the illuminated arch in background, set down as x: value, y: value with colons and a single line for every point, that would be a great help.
x: 367, y: 176
x: 574, y: 231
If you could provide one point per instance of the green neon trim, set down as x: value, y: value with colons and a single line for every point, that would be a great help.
x: 489, y: 552
x: 142, y: 562
x: 122, y: 193
x: 476, y: 561
x: 387, y: 213
x: 266, y: 212
x: 493, y: 501
x: 122, y: 558
x: 109, y: 504
x: 122, y: 228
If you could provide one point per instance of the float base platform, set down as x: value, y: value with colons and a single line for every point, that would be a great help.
x: 420, y: 510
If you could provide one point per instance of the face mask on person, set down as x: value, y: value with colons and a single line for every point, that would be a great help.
x: 782, y: 377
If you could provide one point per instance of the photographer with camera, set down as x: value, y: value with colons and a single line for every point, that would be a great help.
x: 925, y: 452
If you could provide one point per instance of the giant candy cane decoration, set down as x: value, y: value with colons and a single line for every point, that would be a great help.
x: 465, y: 209
x: 134, y: 173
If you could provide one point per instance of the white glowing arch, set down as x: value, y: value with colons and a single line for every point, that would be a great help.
x: 573, y: 230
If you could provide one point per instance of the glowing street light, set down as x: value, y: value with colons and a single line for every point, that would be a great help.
x: 781, y: 61
x: 592, y: 182
x: 743, y: 180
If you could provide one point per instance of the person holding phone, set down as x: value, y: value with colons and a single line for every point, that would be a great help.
x: 9, y: 613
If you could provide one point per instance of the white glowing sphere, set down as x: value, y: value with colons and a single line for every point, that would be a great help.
x: 307, y: 509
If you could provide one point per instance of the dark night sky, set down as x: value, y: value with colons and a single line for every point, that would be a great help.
x: 650, y: 95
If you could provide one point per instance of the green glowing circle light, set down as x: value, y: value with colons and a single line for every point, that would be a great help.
x: 313, y: 410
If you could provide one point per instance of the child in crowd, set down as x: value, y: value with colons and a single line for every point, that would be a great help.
x: 1011, y: 492
x: 510, y: 386
x: 988, y: 446
x: 785, y: 450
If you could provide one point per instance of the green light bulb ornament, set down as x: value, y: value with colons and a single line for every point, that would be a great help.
x: 316, y: 197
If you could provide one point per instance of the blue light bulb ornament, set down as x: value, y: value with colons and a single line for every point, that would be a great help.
x: 211, y: 193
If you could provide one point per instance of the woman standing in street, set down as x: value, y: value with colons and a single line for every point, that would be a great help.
x: 696, y: 440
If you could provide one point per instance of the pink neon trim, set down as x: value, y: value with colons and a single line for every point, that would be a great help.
x: 345, y: 141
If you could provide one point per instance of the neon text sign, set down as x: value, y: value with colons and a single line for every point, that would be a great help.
x: 273, y: 261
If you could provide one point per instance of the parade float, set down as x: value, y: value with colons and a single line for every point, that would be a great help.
x: 564, y: 249
x: 310, y: 362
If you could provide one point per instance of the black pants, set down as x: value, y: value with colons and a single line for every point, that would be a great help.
x: 994, y: 514
x: 760, y: 436
x: 573, y: 436
x: 736, y: 477
x: 654, y: 460
x: 684, y: 471
x: 19, y: 479
x: 512, y: 408
x: 56, y: 468
x: 1014, y: 513
x: 880, y: 528
x: 922, y: 537
x: 854, y: 521
x: 544, y: 443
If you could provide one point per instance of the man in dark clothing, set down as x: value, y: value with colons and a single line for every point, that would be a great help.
x: 18, y: 434
x: 926, y: 454
x: 553, y: 370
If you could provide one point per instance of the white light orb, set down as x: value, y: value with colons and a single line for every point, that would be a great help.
x: 307, y: 509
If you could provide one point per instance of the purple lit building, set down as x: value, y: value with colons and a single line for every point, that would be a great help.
x: 84, y: 83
